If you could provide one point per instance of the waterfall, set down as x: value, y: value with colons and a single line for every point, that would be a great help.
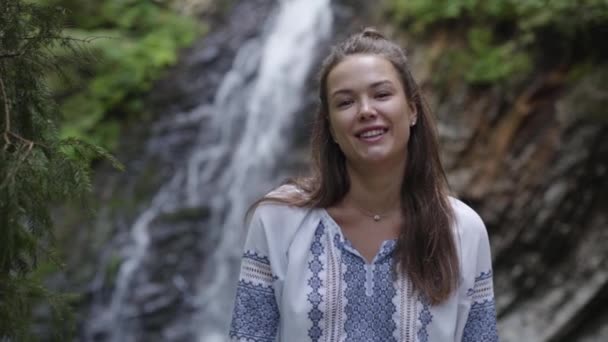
x: 286, y: 58
x: 235, y: 158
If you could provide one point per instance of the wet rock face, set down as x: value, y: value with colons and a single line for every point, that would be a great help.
x: 532, y: 161
x: 161, y: 292
x: 199, y: 73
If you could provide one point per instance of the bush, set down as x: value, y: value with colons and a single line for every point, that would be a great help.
x: 130, y: 43
x: 505, y: 38
x: 38, y: 169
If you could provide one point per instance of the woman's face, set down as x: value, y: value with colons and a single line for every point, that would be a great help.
x: 369, y: 114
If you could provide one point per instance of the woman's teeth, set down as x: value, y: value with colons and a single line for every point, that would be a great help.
x: 372, y: 133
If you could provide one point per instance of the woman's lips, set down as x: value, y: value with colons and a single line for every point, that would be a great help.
x: 372, y: 135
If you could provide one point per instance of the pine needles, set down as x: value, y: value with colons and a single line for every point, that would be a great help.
x: 38, y: 170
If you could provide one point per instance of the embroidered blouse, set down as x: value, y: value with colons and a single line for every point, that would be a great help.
x: 301, y: 280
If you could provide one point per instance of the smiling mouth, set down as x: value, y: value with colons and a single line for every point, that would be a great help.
x: 374, y: 133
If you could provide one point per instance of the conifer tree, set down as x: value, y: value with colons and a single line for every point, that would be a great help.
x: 38, y: 169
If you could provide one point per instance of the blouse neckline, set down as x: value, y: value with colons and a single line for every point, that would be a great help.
x: 334, y: 229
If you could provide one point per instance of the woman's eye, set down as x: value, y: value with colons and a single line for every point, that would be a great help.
x: 343, y: 103
x: 383, y: 95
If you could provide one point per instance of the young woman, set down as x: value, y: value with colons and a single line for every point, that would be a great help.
x: 370, y: 247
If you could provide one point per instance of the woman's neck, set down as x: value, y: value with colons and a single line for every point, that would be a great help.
x: 375, y: 190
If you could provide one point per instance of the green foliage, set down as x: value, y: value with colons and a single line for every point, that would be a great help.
x: 37, y: 168
x: 112, y: 269
x: 492, y: 62
x: 527, y: 15
x: 506, y: 37
x: 587, y: 99
x: 131, y: 44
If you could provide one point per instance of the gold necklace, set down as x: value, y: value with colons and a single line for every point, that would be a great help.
x: 375, y: 216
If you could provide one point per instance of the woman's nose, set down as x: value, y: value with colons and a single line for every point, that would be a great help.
x: 366, y: 110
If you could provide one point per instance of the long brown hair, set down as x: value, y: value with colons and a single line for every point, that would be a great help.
x: 426, y: 249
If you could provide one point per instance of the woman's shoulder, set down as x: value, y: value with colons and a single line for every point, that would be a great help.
x: 280, y: 212
x: 467, y: 221
x: 288, y: 193
x: 275, y: 211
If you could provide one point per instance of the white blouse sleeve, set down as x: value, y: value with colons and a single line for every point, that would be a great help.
x: 256, y: 314
x: 480, y: 325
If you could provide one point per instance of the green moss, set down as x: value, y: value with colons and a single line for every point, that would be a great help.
x: 45, y: 269
x: 112, y: 269
x: 129, y: 45
x: 186, y: 214
x: 587, y: 100
x: 492, y: 62
x: 506, y: 38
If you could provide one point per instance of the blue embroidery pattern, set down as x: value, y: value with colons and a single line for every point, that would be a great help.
x: 481, y: 323
x: 315, y: 282
x: 362, y: 302
x: 484, y: 276
x: 369, y: 317
x: 256, y: 256
x: 425, y: 318
x: 256, y: 314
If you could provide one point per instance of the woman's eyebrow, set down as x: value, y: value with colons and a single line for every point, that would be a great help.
x: 341, y: 91
x: 373, y: 85
x: 383, y: 82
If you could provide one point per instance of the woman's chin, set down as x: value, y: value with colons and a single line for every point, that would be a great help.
x: 373, y: 158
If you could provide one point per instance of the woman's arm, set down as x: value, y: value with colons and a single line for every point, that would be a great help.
x: 256, y: 313
x: 481, y: 321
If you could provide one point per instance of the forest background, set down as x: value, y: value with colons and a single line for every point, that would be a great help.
x: 68, y: 103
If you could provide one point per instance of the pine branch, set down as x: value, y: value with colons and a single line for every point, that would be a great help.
x: 7, y: 113
x: 86, y: 40
x: 12, y: 55
x: 96, y: 150
x: 10, y: 176
x: 38, y: 169
x: 7, y: 118
x: 36, y: 39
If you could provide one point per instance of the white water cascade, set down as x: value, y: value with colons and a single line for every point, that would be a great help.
x: 286, y: 59
x: 235, y: 159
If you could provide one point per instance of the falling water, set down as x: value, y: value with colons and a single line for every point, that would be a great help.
x: 235, y: 158
x: 285, y: 62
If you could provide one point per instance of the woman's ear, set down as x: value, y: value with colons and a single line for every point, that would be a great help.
x: 413, y: 115
x: 333, y: 136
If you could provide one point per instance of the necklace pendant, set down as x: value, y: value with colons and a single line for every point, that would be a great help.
x: 376, y: 218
